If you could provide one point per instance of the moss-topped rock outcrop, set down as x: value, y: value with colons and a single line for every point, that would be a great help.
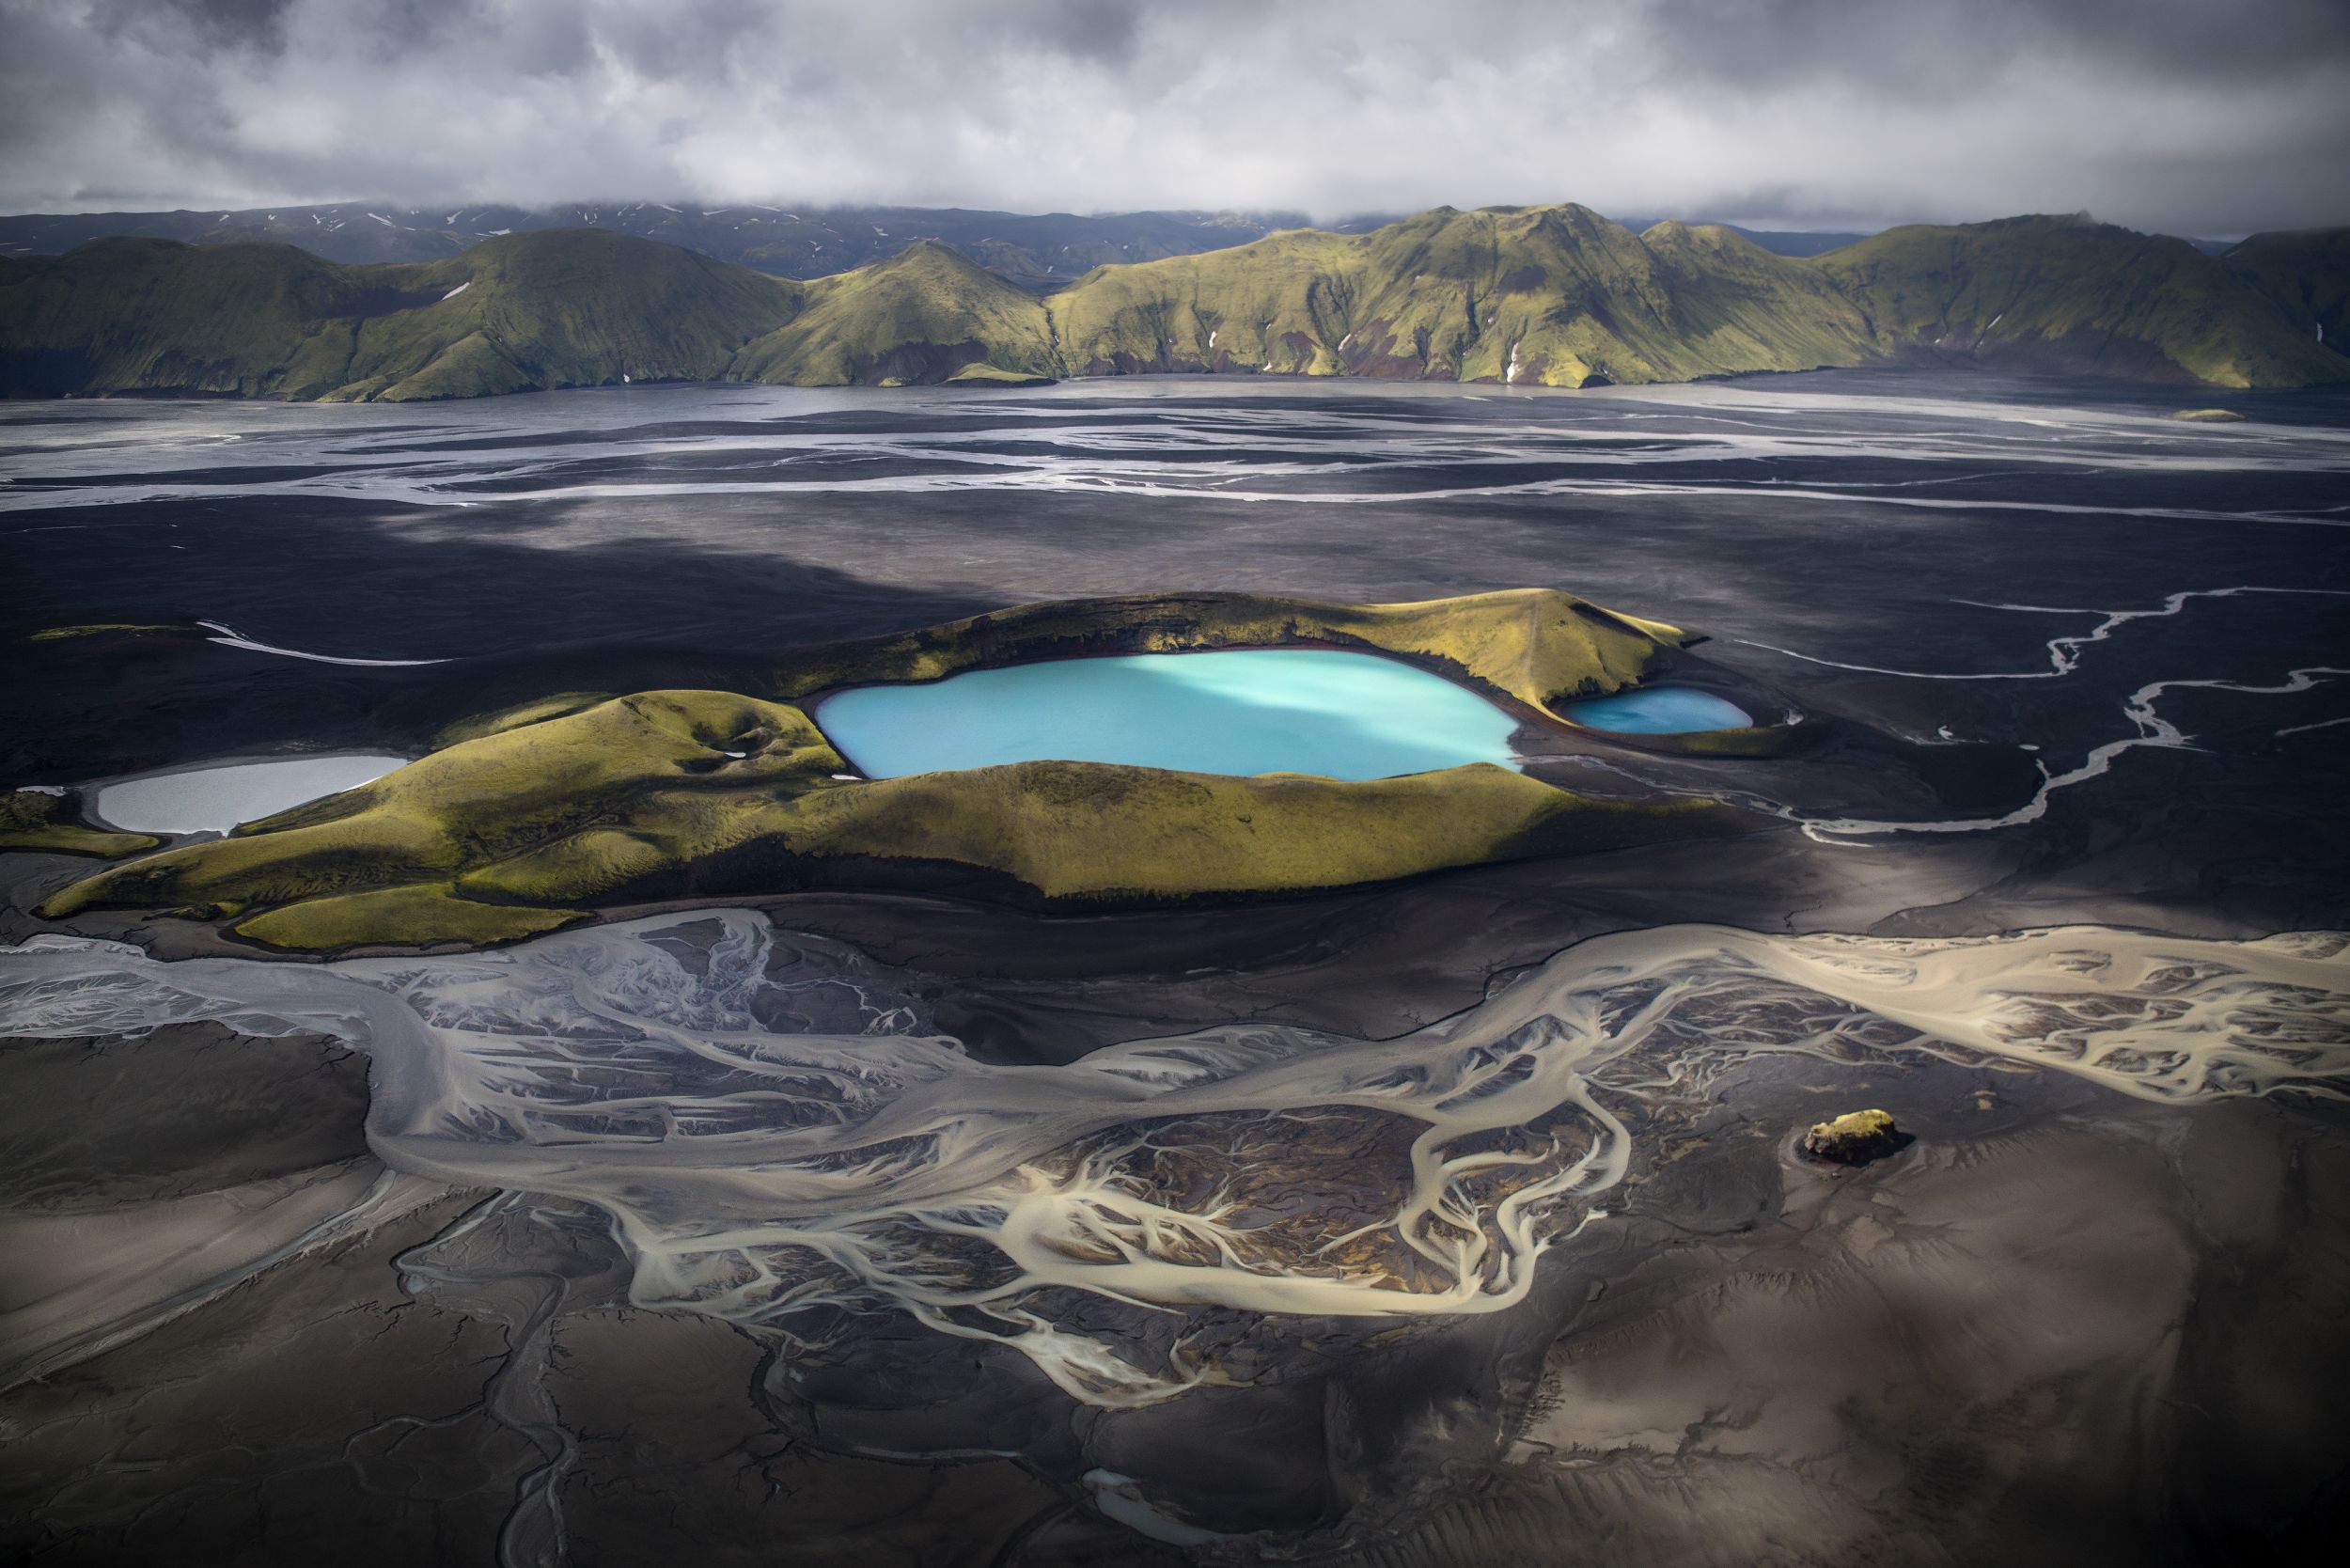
x: 530, y: 818
x: 1855, y: 1138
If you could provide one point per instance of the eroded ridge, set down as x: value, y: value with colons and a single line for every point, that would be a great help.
x: 780, y: 1140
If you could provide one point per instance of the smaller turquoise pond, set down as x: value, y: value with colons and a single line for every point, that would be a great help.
x: 1658, y: 711
x: 1287, y: 710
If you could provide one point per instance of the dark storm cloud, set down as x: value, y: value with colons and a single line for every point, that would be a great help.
x: 206, y: 23
x: 2210, y: 116
x: 1951, y: 49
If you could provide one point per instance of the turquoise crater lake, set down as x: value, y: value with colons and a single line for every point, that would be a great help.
x: 1658, y: 711
x: 1287, y: 710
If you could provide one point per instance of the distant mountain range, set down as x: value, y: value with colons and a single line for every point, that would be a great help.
x: 1553, y: 297
x: 1041, y: 252
x: 1038, y: 251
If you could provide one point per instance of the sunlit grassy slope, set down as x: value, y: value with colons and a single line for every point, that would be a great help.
x: 1544, y: 295
x: 925, y: 314
x: 1535, y: 296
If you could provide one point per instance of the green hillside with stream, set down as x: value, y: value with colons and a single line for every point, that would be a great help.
x: 1553, y: 297
x: 2306, y: 274
x: 2067, y: 295
x: 1535, y: 296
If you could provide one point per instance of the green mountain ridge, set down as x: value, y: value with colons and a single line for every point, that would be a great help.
x: 922, y: 316
x: 2009, y: 292
x: 2307, y: 274
x: 1554, y: 295
x: 568, y: 309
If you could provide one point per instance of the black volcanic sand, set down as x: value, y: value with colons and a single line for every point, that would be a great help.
x: 2062, y: 1325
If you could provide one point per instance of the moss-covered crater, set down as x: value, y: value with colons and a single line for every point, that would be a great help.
x: 532, y: 818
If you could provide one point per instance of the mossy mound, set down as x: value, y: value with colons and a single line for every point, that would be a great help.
x: 1092, y: 830
x: 536, y: 814
x: 37, y: 820
x: 416, y: 914
x: 512, y: 833
x: 2210, y: 415
x: 1854, y: 1139
x: 1535, y: 646
x: 498, y: 720
x: 485, y: 800
x: 981, y: 374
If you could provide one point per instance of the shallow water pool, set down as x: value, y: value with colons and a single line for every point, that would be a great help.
x: 1289, y: 709
x: 219, y: 796
x: 1659, y: 710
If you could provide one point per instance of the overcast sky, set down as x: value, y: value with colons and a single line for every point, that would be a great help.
x: 2201, y: 117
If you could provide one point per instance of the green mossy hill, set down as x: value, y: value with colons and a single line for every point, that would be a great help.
x: 571, y: 307
x: 1562, y: 296
x: 559, y: 308
x: 2306, y: 274
x: 37, y: 820
x: 1536, y: 296
x: 484, y: 800
x: 418, y: 914
x: 537, y: 813
x: 515, y: 831
x: 925, y: 314
x: 1279, y: 304
x: 2067, y: 294
x: 1535, y: 645
x: 477, y: 725
x: 1555, y: 296
x: 1091, y: 830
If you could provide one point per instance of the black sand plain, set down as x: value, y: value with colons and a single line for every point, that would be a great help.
x: 2070, y: 662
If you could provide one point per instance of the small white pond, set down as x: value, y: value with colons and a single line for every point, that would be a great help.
x: 217, y: 796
